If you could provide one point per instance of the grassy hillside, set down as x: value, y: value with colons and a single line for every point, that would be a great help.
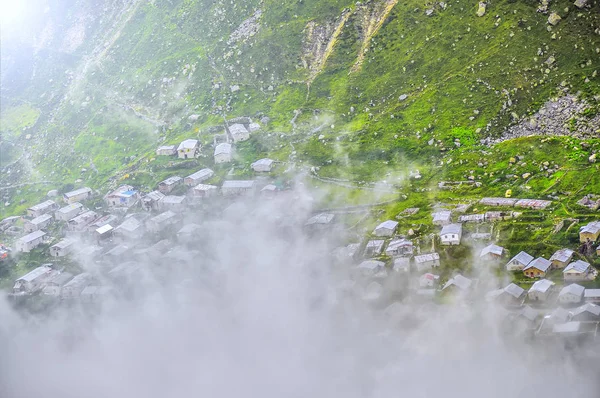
x: 389, y: 85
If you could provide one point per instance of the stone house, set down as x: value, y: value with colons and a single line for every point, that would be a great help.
x: 30, y: 241
x: 68, y: 212
x: 42, y: 208
x: 188, y: 149
x: 78, y: 195
x: 37, y: 223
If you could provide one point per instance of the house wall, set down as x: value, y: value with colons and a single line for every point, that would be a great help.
x: 384, y: 232
x: 534, y: 273
x: 236, y: 191
x: 164, y: 188
x: 538, y: 296
x: 514, y: 266
x: 574, y: 277
x: 69, y: 215
x: 450, y: 239
x: 59, y: 252
x: 559, y: 264
x: 585, y: 236
x: 223, y: 158
x: 77, y: 198
x: 26, y: 247
x: 240, y: 137
x: 569, y: 298
x: 52, y: 290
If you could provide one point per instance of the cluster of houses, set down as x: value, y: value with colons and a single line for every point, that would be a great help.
x: 223, y: 151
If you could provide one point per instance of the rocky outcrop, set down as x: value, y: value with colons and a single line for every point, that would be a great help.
x: 559, y: 117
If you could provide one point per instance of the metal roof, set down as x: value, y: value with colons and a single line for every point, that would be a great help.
x: 578, y: 266
x: 222, y: 148
x: 154, y: 195
x: 592, y: 228
x: 574, y: 289
x: 492, y: 249
x: 528, y: 313
x: 64, y: 243
x: 187, y: 144
x: 41, y: 219
x: 388, y: 224
x: 69, y: 208
x: 442, y: 215
x: 43, y: 205
x: 539, y: 263
x: 459, y: 281
x: 514, y: 290
x: 592, y: 293
x: 371, y: 265
x: 201, y: 174
x: 130, y: 224
x: 322, y: 218
x: 541, y: 286
x: 569, y: 327
x: 104, y: 229
x: 204, y: 187
x: 455, y: 229
x: 242, y: 184
x: 522, y: 258
x: 34, y: 274
x: 171, y: 180
x: 163, y: 216
x: 588, y: 307
x: 562, y: 255
x: 263, y: 162
x: 173, y: 199
x: 32, y: 236
x: 78, y: 192
x: 423, y: 258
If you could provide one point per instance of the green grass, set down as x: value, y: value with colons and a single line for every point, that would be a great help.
x: 15, y: 119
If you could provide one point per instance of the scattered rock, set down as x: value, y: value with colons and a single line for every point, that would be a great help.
x: 481, y: 9
x: 526, y: 175
x: 554, y: 19
x: 402, y: 97
x: 592, y: 158
x: 52, y: 193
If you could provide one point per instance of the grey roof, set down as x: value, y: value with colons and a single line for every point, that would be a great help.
x: 43, y: 205
x: 442, y: 215
x: 69, y: 208
x: 166, y: 147
x: 459, y: 281
x: 593, y: 227
x: 242, y: 184
x: 32, y: 236
x: 204, y: 173
x: 173, y: 199
x: 371, y: 265
x: 592, y: 293
x: 61, y: 278
x: 189, y: 228
x: 562, y: 255
x: 171, y: 180
x: 528, y: 313
x: 187, y: 144
x: 322, y: 218
x: 78, y: 192
x: 263, y: 162
x: 569, y: 327
x: 237, y: 128
x: 86, y: 217
x: 402, y: 262
x: 64, y: 243
x: 539, y: 263
x: 130, y: 224
x: 79, y: 280
x: 451, y: 229
x: 559, y: 314
x: 471, y: 217
x: 574, y: 289
x: 399, y: 243
x: 163, y: 216
x: 492, y: 249
x: 41, y: 219
x: 522, y: 258
x: 422, y: 258
x: 578, y: 266
x: 541, y: 286
x: 514, y: 290
x: 154, y: 195
x: 588, y: 307
x: 389, y: 224
x: 222, y: 148
x: 204, y: 187
x: 35, y: 273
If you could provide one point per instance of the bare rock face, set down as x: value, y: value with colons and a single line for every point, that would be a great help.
x: 554, y: 19
x: 580, y: 3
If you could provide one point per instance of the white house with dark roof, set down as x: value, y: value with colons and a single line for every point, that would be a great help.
x: 62, y: 248
x: 42, y: 208
x: 492, y: 252
x: 69, y: 211
x: 537, y: 268
x: 188, y: 149
x: 37, y: 223
x: 442, y: 217
x: 33, y: 280
x: 518, y: 262
x: 223, y: 153
x: 238, y: 187
x: 198, y: 177
x: 262, y: 165
x: 451, y: 234
x: 400, y: 248
x: 78, y: 195
x: 541, y: 290
x: 30, y: 241
x: 386, y: 228
x: 374, y: 247
x: 427, y: 261
x: 571, y: 294
x: 561, y: 258
x: 238, y: 132
x: 588, y: 312
x: 576, y: 271
x: 169, y: 184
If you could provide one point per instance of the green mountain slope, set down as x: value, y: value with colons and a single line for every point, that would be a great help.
x: 387, y: 84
